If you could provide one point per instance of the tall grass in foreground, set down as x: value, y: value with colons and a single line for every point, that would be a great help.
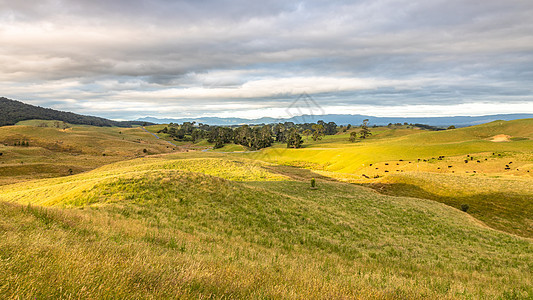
x: 165, y: 233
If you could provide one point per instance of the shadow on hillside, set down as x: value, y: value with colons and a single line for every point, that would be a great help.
x: 507, y: 212
x: 298, y: 174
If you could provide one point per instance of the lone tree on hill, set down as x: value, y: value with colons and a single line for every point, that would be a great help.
x: 365, y: 132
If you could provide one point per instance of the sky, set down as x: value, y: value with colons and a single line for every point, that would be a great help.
x: 126, y: 59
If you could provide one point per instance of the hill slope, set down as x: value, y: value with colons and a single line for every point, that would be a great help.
x: 31, y: 152
x: 152, y: 228
x: 12, y: 111
x: 460, y: 166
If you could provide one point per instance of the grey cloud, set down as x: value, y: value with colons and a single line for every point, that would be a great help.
x: 476, y: 50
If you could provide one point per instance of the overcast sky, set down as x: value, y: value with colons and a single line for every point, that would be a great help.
x: 125, y: 59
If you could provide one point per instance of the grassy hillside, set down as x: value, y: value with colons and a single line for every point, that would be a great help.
x: 32, y: 150
x: 337, y: 154
x: 502, y: 203
x: 198, y: 225
x: 455, y: 167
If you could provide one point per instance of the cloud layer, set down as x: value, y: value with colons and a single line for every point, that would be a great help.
x: 127, y: 59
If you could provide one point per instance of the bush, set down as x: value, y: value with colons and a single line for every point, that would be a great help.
x: 313, y: 183
x: 464, y: 207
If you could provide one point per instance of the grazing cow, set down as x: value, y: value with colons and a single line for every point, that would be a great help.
x: 449, y: 166
x: 478, y: 161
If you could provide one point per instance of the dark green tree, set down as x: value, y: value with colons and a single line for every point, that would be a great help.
x: 318, y: 131
x: 294, y: 139
x: 353, y: 136
x: 365, y: 132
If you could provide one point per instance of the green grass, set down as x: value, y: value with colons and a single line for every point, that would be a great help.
x: 502, y: 203
x: 55, y: 152
x: 153, y: 228
x: 337, y: 154
x: 405, y: 162
x: 230, y: 148
x: 247, y: 225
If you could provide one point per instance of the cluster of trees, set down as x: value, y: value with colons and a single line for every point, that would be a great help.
x: 16, y: 111
x: 253, y: 137
x: 56, y: 124
x: 22, y: 143
x: 363, y: 133
x: 428, y: 127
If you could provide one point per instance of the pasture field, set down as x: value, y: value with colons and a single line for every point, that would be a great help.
x: 208, y: 225
x: 53, y: 152
x: 384, y: 223
x: 455, y: 167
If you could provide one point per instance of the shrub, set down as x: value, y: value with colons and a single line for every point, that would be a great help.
x: 464, y: 207
x: 313, y: 183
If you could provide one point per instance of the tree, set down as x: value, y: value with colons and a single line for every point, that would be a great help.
x: 279, y: 132
x: 330, y: 128
x: 451, y: 127
x: 307, y: 133
x: 243, y: 136
x: 353, y: 136
x: 365, y: 132
x: 197, y: 134
x: 318, y: 132
x: 263, y: 137
x: 294, y: 139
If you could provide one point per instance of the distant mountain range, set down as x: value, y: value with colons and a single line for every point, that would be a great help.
x: 12, y: 111
x: 458, y: 121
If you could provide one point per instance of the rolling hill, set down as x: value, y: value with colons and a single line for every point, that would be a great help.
x: 38, y: 149
x: 198, y: 225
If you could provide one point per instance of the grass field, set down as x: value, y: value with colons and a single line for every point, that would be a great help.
x: 233, y: 224
x: 56, y: 152
x: 455, y: 167
x: 152, y: 228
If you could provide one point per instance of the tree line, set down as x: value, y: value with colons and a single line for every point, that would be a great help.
x: 251, y: 136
